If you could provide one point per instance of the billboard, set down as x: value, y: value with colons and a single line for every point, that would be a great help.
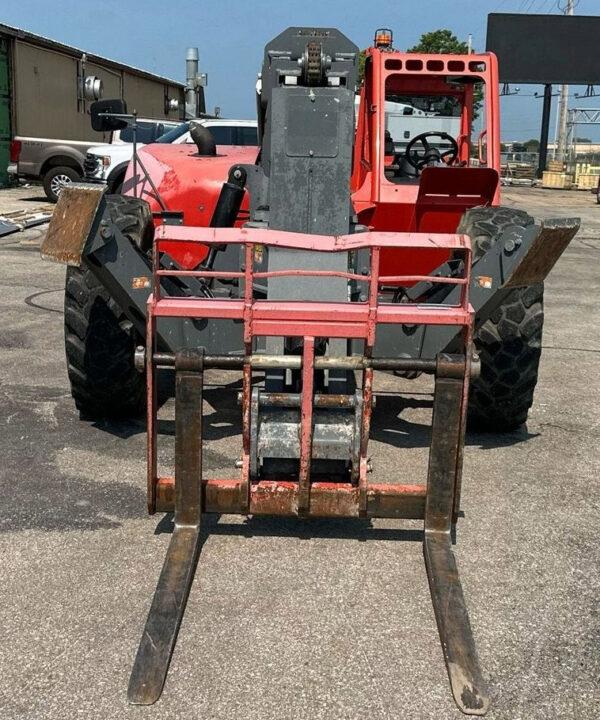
x: 545, y: 49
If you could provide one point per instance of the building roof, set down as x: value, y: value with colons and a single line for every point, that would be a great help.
x: 42, y: 41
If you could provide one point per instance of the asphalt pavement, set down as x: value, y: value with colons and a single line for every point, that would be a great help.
x: 298, y: 618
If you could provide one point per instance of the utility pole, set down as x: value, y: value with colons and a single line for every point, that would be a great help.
x: 564, y: 101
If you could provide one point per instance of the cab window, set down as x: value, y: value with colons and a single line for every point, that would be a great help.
x: 247, y: 136
x: 146, y: 132
x: 223, y: 135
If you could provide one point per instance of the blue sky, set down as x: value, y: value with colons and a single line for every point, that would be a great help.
x: 153, y: 35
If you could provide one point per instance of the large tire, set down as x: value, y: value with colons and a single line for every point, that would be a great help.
x: 509, y: 342
x: 99, y: 340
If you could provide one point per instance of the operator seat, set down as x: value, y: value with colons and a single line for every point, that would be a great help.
x: 405, y: 169
x: 396, y: 165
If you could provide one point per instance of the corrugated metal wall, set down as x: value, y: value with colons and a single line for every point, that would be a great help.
x: 46, y: 97
x: 5, y: 123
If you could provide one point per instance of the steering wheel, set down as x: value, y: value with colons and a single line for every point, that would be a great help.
x: 420, y: 160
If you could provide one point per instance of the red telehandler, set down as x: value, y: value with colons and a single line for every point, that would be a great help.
x: 337, y: 249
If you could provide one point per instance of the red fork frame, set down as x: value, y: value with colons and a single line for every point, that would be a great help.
x: 308, y: 320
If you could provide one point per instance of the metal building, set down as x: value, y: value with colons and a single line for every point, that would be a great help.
x: 44, y: 94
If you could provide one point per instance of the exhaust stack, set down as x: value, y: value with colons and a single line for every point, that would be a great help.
x: 194, y: 85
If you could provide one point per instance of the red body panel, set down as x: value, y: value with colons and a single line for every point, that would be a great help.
x: 187, y: 183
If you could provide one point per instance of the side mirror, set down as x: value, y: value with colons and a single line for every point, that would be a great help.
x: 102, y: 123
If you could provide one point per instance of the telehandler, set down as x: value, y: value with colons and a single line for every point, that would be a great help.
x: 332, y: 251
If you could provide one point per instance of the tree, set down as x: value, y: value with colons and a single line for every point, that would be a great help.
x: 362, y: 56
x: 532, y: 145
x: 440, y: 42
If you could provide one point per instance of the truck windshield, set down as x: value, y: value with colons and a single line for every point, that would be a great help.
x: 174, y: 133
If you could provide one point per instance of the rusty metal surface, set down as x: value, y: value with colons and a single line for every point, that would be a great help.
x: 72, y: 222
x: 168, y: 605
x: 545, y: 250
x: 273, y: 399
x: 279, y: 497
x: 246, y: 434
x: 466, y: 679
x: 333, y: 500
x: 306, y: 423
x: 472, y: 369
x: 396, y: 501
x: 443, y: 452
x: 274, y: 498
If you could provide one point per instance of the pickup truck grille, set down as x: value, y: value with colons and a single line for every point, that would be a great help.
x: 90, y: 164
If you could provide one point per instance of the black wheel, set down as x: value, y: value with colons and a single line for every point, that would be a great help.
x: 116, y: 180
x: 509, y: 342
x: 117, y: 188
x: 56, y: 178
x: 99, y: 340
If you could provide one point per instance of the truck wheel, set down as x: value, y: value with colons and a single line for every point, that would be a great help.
x: 117, y: 188
x: 56, y: 178
x: 509, y: 342
x: 99, y: 340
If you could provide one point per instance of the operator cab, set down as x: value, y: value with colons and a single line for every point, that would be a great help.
x: 416, y: 166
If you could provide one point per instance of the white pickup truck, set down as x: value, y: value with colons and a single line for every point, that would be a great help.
x: 108, y: 163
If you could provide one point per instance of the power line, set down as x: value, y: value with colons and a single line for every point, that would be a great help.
x: 501, y: 4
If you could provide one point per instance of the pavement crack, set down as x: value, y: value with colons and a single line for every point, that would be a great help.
x: 560, y: 427
x: 570, y: 349
x: 589, y: 245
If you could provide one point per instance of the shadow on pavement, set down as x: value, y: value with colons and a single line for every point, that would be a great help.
x: 302, y: 528
x: 387, y: 424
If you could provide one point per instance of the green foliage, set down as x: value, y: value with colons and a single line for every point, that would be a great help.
x: 532, y: 145
x: 361, y: 68
x: 440, y: 42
